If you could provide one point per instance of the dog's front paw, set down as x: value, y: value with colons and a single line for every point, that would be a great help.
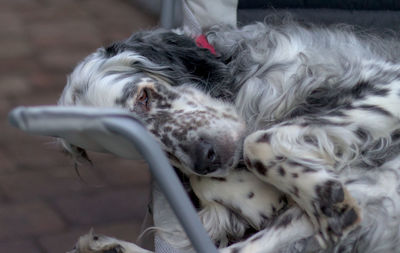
x: 307, y: 177
x: 114, y: 249
x: 335, y: 212
x: 92, y: 243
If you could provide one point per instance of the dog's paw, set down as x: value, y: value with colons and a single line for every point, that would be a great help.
x: 335, y: 213
x: 113, y: 249
x: 93, y: 243
x: 309, y: 180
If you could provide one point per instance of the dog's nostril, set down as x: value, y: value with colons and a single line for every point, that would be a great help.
x: 211, y: 155
x: 205, y: 157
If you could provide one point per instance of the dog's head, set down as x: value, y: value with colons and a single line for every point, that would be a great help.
x: 179, y: 90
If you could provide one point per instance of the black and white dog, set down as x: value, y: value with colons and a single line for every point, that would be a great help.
x: 289, y: 135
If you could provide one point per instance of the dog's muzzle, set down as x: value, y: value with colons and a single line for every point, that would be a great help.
x: 210, y: 156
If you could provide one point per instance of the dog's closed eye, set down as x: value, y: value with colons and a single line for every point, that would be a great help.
x: 143, y: 97
x: 143, y: 101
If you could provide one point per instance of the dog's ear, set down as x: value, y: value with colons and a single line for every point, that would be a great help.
x: 178, y: 58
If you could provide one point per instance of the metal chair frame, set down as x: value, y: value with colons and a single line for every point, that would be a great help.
x: 122, y: 134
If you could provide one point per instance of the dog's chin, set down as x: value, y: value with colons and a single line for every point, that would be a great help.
x: 221, y: 168
x: 190, y: 170
x: 221, y: 172
x: 216, y: 170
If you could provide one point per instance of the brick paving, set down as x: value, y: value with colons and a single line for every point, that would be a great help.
x: 44, y: 205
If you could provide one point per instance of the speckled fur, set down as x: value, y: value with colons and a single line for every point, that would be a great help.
x: 314, y: 110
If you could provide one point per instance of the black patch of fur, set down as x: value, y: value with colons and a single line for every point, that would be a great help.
x: 331, y: 100
x: 179, y: 59
x: 375, y: 109
x: 364, y: 88
x: 260, y: 168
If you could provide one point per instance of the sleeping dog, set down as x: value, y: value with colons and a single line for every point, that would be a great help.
x: 289, y: 131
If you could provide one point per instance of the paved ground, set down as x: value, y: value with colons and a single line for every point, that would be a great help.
x: 44, y: 205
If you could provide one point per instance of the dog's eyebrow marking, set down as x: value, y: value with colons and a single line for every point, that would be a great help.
x: 127, y: 93
x: 131, y: 87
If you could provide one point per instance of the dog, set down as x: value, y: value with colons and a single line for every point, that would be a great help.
x: 288, y: 135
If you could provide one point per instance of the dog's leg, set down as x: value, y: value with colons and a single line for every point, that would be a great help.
x: 92, y: 243
x: 289, y: 232
x: 285, y: 232
x: 300, y: 160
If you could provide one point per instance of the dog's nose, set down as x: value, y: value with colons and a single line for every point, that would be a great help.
x: 206, y: 158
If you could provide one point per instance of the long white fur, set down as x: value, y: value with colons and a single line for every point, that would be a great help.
x: 283, y: 65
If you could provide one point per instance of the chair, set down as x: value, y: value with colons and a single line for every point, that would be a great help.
x: 122, y: 134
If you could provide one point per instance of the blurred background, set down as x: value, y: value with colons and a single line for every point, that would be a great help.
x: 44, y: 205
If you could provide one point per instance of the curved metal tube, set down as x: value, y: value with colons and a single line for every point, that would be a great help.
x: 120, y: 133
